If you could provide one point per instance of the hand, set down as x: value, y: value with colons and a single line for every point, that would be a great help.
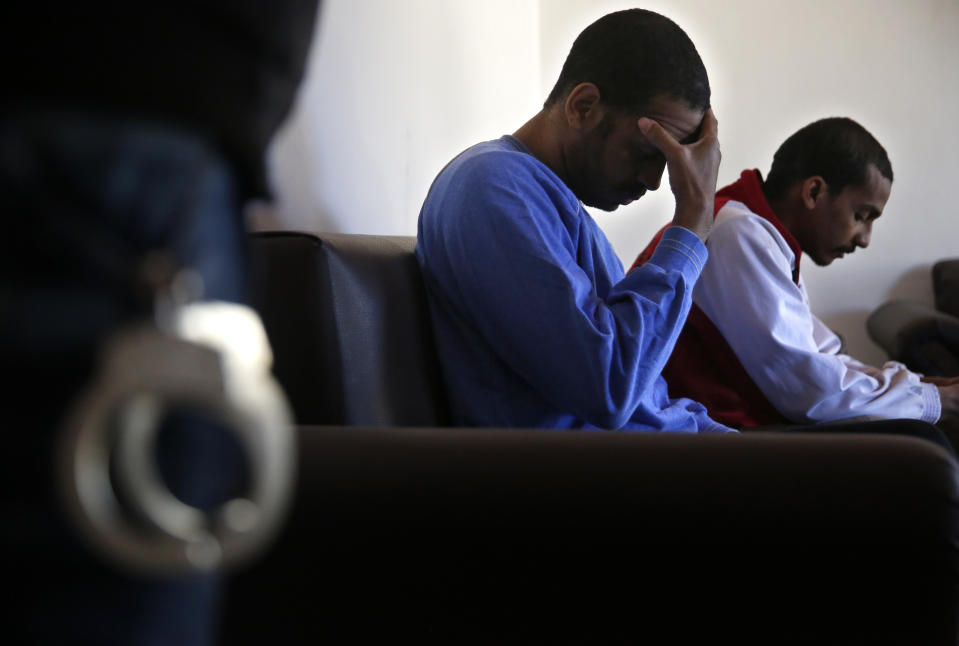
x: 949, y: 397
x: 940, y: 381
x: 693, y: 170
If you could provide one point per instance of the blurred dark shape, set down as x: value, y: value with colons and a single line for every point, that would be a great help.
x: 125, y: 128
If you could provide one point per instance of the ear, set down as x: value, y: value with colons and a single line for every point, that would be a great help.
x: 583, y: 109
x: 812, y: 190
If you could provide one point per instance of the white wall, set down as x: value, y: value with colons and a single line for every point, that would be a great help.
x: 397, y: 87
x: 394, y: 89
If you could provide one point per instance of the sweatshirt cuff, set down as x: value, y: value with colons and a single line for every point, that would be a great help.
x: 931, y: 405
x: 710, y: 426
x: 681, y: 250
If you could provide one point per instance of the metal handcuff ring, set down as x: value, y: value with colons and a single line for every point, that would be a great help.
x: 214, y: 358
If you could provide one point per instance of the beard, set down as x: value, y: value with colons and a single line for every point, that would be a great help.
x: 585, y: 175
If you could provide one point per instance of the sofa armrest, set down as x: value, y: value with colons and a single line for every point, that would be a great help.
x: 481, y: 535
x: 920, y: 336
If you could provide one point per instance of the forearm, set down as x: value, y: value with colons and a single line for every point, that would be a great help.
x: 621, y: 341
x: 890, y: 392
x: 748, y: 292
x: 780, y: 354
x: 693, y: 170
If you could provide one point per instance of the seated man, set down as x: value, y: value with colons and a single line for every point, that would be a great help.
x: 536, y: 324
x: 752, y: 351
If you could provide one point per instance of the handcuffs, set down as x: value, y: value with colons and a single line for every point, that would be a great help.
x: 209, y: 356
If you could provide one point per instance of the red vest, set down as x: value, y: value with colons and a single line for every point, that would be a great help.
x: 703, y: 367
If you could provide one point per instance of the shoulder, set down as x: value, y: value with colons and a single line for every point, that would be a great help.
x: 736, y: 227
x: 497, y: 175
x: 496, y: 159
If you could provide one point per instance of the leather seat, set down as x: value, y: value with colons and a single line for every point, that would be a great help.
x: 535, y: 536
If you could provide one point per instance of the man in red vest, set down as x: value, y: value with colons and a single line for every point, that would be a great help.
x: 751, y: 350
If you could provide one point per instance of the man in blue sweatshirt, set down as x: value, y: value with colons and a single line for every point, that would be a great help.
x: 537, y: 325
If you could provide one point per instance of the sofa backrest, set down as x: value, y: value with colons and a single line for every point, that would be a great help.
x: 349, y: 323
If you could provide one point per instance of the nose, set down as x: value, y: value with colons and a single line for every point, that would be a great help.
x: 651, y: 173
x: 864, y: 236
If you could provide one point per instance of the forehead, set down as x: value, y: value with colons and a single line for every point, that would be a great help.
x: 874, y: 191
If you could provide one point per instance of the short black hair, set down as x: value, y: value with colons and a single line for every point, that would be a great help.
x: 837, y: 149
x: 633, y: 56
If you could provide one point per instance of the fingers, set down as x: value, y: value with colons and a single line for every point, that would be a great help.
x: 941, y: 381
x: 665, y: 142
x: 938, y: 381
x: 710, y: 126
x: 658, y: 136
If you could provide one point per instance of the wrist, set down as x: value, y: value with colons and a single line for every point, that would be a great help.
x: 698, y: 219
x: 949, y: 399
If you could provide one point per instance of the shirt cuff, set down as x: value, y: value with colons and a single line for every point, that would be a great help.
x: 680, y: 249
x: 931, y: 404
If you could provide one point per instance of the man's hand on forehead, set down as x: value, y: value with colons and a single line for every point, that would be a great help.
x: 695, y: 135
x: 693, y: 169
x: 708, y: 118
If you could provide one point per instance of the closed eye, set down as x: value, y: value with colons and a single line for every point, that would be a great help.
x: 646, y: 153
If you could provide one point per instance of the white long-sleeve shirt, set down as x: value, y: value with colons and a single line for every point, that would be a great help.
x: 747, y: 291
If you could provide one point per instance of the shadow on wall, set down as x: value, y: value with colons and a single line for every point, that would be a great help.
x: 914, y: 285
x: 851, y: 326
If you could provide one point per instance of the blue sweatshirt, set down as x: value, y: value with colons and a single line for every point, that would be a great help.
x: 536, y: 323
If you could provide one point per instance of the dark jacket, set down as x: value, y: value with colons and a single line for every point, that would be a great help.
x: 225, y: 69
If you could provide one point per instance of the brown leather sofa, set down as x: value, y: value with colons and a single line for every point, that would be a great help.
x: 406, y: 528
x: 924, y: 338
